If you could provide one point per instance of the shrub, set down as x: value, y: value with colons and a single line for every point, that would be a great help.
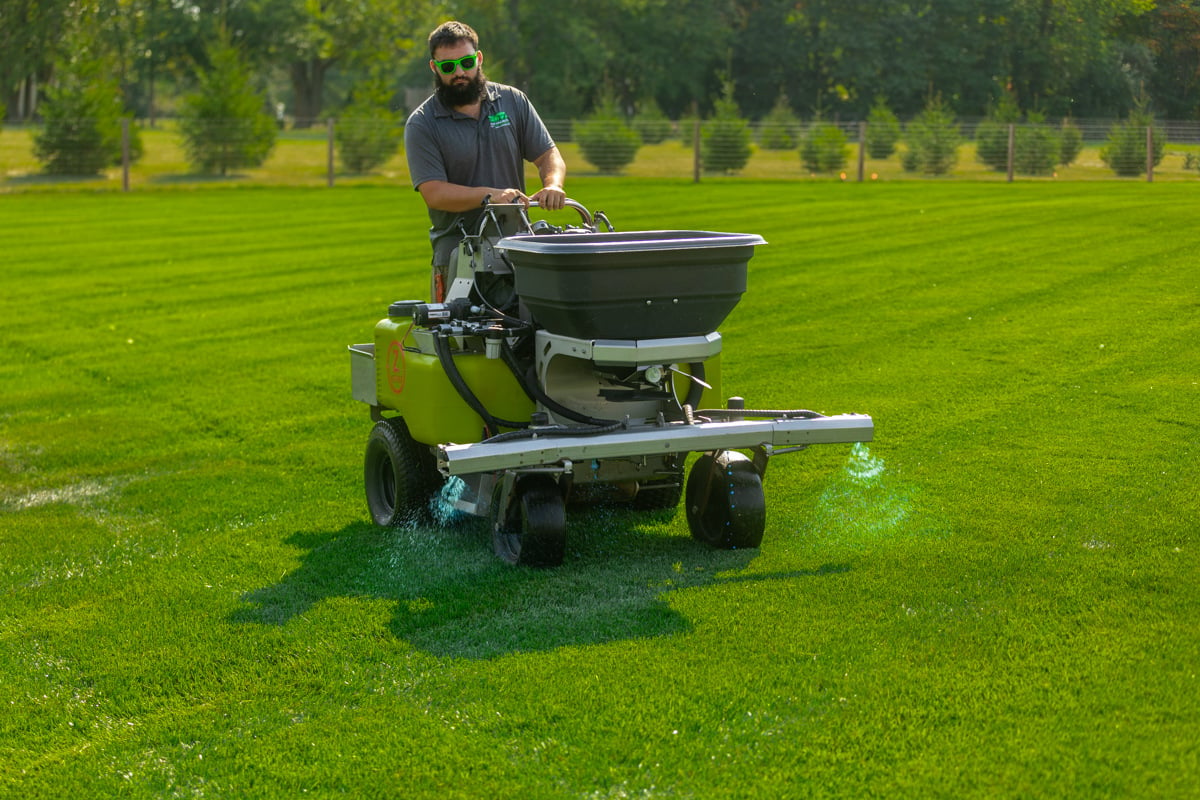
x: 651, y: 123
x: 991, y: 136
x: 725, y: 137
x: 1070, y: 142
x: 1125, y: 152
x: 224, y: 123
x: 824, y: 148
x: 777, y: 131
x: 83, y: 114
x: 368, y: 133
x: 932, y: 140
x: 1037, y: 147
x: 605, y: 140
x: 991, y: 144
x: 883, y: 130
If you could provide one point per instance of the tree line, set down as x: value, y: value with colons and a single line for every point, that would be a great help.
x: 832, y: 59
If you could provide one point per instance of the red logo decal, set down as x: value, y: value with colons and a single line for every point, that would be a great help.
x: 395, y: 367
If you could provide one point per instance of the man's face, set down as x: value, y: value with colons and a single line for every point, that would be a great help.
x: 460, y: 86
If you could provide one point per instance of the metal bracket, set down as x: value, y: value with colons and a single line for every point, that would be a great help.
x: 760, y: 455
x: 503, y: 497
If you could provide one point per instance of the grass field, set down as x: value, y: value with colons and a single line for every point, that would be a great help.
x: 996, y: 598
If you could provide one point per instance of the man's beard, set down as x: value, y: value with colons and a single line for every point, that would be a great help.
x: 454, y: 95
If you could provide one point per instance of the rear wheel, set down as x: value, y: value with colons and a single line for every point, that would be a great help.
x: 726, y: 507
x: 399, y: 474
x: 536, y: 534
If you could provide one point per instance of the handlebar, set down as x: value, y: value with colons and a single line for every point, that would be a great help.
x: 590, y: 220
x: 567, y: 203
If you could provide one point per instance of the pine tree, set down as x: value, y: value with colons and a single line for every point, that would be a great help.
x: 83, y: 117
x: 368, y: 133
x: 777, y: 131
x: 225, y: 124
x: 605, y: 140
x: 883, y: 130
x: 725, y: 137
x: 932, y: 138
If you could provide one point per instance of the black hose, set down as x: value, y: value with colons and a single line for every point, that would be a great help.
x: 490, y: 422
x: 510, y: 360
x: 514, y: 323
x: 558, y: 408
x: 529, y: 384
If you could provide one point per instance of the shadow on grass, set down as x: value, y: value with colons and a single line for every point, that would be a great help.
x: 44, y: 179
x: 174, y: 178
x: 455, y: 599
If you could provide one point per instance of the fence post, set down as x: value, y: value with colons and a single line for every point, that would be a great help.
x: 1149, y: 154
x: 329, y: 153
x: 696, y: 151
x: 862, y: 149
x: 125, y: 154
x: 1012, y: 142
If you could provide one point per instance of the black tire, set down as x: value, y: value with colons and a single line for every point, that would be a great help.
x: 400, y: 475
x: 726, y: 507
x: 536, y: 534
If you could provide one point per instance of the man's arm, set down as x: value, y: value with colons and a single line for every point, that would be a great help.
x: 552, y: 171
x: 455, y: 198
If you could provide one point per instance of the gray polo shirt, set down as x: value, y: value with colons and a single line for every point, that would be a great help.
x: 444, y: 145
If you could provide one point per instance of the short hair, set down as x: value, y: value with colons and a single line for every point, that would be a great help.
x: 450, y: 33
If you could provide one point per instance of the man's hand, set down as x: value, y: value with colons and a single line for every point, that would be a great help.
x: 550, y: 198
x: 509, y: 196
x: 552, y: 171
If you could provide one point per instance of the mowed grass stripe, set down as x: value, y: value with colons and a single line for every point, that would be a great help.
x: 143, y: 230
x: 1040, y: 289
x: 990, y: 598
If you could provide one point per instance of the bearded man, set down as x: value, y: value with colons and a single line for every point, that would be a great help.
x: 469, y: 140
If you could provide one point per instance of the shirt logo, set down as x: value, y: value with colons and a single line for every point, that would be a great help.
x: 499, y: 120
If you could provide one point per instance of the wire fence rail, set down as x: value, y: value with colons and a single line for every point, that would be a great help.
x: 321, y: 154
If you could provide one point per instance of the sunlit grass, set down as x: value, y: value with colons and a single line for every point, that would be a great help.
x: 994, y: 598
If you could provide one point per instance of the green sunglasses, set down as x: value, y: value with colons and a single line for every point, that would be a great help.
x: 466, y: 62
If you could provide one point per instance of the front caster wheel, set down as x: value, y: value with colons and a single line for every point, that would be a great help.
x: 399, y: 474
x: 726, y: 507
x: 536, y: 534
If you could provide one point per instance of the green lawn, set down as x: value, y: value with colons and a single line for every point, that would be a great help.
x: 997, y: 597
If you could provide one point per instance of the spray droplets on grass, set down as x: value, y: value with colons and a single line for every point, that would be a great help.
x: 1097, y: 544
x: 442, y: 506
x: 865, y: 502
x: 421, y: 548
x: 863, y: 467
x: 75, y: 494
